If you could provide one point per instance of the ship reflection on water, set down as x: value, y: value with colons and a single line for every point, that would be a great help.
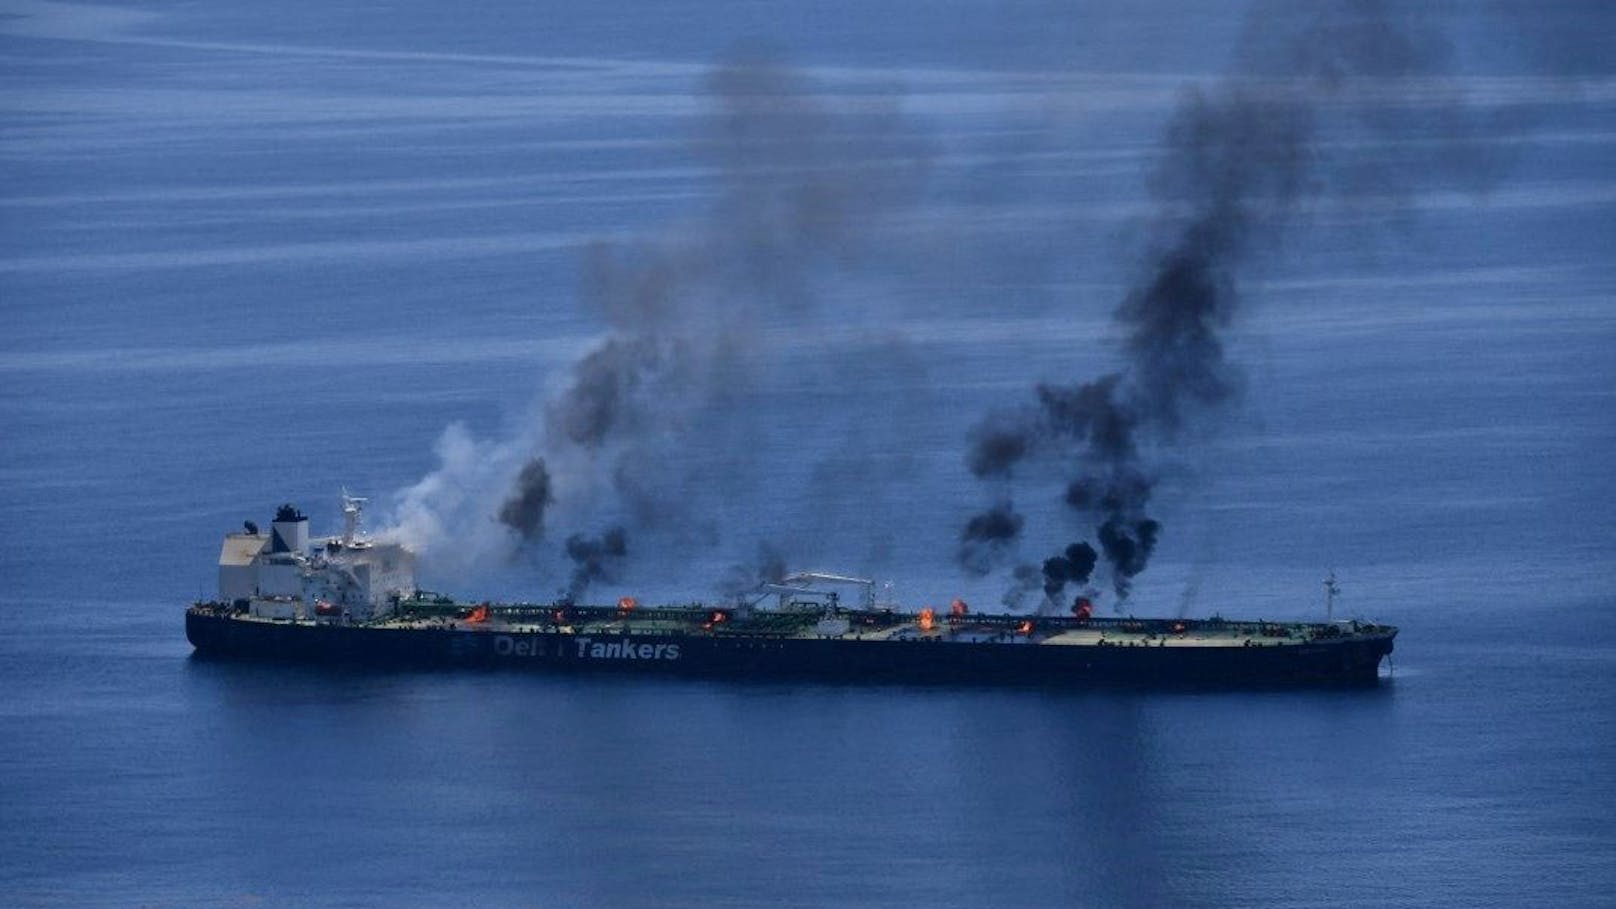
x: 971, y: 797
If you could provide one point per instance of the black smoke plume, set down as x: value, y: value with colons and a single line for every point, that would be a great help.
x: 996, y: 445
x: 1070, y: 567
x: 530, y: 496
x: 1127, y: 545
x: 594, y: 559
x: 1239, y: 159
x: 987, y: 537
x: 602, y: 396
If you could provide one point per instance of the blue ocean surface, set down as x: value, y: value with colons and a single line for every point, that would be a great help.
x: 261, y: 252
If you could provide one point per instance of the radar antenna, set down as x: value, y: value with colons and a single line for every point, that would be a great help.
x: 1331, y: 589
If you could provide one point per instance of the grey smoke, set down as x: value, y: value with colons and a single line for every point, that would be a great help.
x: 767, y: 567
x: 658, y: 422
x: 1110, y: 495
x: 1025, y: 590
x: 1239, y: 160
x: 670, y: 426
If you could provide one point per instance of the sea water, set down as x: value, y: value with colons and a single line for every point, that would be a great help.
x: 254, y: 253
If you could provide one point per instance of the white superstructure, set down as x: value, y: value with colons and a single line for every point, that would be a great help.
x: 282, y: 575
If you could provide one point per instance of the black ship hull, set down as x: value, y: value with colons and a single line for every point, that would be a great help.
x: 1348, y: 661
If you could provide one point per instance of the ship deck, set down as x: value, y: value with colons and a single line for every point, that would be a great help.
x: 878, y: 626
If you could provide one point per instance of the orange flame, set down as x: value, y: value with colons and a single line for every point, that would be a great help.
x: 628, y: 604
x: 478, y: 615
x: 958, y: 607
x: 928, y: 619
x: 719, y: 617
x: 1026, y: 627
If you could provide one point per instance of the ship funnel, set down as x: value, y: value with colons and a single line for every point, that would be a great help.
x: 290, y: 531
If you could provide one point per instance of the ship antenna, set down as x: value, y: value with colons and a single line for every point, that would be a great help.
x: 1331, y: 588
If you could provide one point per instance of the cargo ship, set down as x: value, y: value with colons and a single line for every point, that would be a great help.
x: 348, y: 600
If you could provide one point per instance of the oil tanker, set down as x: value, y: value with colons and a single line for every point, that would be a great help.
x: 351, y: 601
